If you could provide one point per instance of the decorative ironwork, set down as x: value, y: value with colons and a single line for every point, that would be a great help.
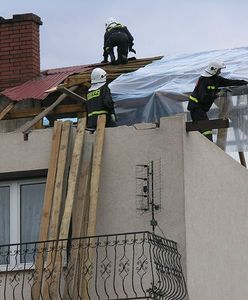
x: 137, y: 265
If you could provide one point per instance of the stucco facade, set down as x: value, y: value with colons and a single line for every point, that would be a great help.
x: 203, y: 197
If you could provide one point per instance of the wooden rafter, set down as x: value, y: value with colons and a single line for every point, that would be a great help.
x: 113, y: 71
x: 34, y: 111
x: 7, y: 109
x: 207, y: 124
x: 27, y: 126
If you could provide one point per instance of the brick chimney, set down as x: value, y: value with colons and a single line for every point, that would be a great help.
x: 19, y: 49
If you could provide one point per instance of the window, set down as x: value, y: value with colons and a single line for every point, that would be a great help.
x: 21, y: 207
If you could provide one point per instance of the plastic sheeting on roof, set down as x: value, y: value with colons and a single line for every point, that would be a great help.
x: 161, y: 89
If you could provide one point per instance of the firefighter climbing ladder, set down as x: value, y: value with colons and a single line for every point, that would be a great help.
x: 71, y: 193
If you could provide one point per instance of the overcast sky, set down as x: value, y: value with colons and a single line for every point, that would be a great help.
x: 72, y: 31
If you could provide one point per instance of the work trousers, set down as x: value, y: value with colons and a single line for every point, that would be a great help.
x: 92, y: 122
x: 198, y: 114
x: 119, y: 40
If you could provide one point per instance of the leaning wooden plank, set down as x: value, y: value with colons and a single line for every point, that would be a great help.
x: 95, y: 175
x: 71, y: 193
x: 73, y: 178
x: 47, y: 205
x: 94, y: 191
x: 30, y: 124
x: 71, y: 94
x: 61, y: 178
x: 79, y: 215
x: 7, y: 108
x: 79, y: 284
x: 59, y: 190
x: 50, y: 184
x: 207, y: 124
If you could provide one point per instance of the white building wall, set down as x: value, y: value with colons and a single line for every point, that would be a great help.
x: 16, y: 154
x: 216, y: 209
x: 124, y: 148
x: 203, y: 197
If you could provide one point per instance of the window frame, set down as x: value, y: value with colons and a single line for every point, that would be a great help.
x: 15, y: 218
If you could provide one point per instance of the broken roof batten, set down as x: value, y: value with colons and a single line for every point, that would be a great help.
x: 68, y: 76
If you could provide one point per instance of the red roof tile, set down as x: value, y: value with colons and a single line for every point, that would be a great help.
x: 35, y: 89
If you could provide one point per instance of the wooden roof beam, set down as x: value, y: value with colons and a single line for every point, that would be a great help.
x: 207, y: 124
x: 32, y: 112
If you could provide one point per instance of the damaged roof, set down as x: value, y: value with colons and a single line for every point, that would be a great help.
x: 36, y: 89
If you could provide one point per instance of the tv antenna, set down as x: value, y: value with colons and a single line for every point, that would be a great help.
x: 148, y: 192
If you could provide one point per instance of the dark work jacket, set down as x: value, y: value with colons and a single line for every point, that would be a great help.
x: 206, y: 90
x: 117, y: 28
x: 99, y: 102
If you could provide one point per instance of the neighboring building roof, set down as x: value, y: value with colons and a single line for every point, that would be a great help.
x: 35, y: 89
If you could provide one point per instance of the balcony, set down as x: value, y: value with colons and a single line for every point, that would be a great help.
x: 137, y: 265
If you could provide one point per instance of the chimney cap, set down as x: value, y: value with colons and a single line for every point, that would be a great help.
x: 21, y: 18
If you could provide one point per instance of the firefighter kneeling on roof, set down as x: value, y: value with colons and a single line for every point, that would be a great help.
x: 207, y: 90
x: 99, y: 100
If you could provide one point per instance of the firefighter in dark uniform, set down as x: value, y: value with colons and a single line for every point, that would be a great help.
x: 117, y: 35
x: 99, y: 100
x: 207, y: 90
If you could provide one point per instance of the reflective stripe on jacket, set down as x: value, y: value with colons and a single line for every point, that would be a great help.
x: 206, y: 91
x: 98, y: 102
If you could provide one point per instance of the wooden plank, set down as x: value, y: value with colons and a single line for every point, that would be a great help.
x: 73, y: 178
x: 47, y: 205
x: 24, y: 128
x: 59, y: 190
x: 242, y: 159
x: 71, y: 193
x: 222, y: 103
x: 61, y: 178
x: 95, y: 175
x: 238, y: 133
x: 84, y: 180
x: 50, y: 184
x: 79, y: 284
x: 7, y: 108
x: 39, y: 125
x: 94, y: 189
x: 72, y: 94
x: 207, y: 124
x: 79, y: 217
x: 32, y: 112
x: 113, y: 70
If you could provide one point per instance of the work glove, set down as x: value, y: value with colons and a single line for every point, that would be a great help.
x: 222, y: 92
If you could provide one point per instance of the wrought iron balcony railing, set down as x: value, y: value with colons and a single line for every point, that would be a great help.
x: 137, y: 265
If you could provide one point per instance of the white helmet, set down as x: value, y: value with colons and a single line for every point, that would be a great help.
x: 110, y: 21
x: 213, y: 67
x: 98, y: 75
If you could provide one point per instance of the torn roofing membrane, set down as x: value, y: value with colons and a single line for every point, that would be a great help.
x: 162, y: 88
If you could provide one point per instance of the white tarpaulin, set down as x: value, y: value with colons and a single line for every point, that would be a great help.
x: 162, y: 87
